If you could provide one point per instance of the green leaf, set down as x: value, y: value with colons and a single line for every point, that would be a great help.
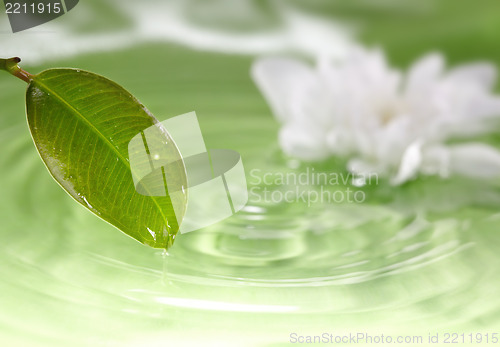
x: 81, y: 124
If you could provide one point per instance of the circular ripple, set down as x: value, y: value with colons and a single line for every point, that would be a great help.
x: 347, y: 265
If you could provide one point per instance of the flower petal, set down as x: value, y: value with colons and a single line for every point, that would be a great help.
x: 303, y: 141
x: 422, y: 97
x: 282, y: 80
x: 475, y: 160
x: 481, y: 74
x: 425, y: 72
x: 361, y: 167
x: 410, y: 164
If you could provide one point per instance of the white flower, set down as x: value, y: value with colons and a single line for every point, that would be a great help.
x: 383, y: 122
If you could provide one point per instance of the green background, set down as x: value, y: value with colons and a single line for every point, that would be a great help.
x: 413, y: 260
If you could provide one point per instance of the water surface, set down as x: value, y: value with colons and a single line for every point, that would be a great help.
x: 412, y: 260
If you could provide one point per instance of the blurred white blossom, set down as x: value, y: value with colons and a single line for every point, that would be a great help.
x: 384, y: 122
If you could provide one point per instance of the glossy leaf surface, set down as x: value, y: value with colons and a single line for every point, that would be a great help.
x: 81, y: 124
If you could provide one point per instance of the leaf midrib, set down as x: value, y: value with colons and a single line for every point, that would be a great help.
x: 86, y: 121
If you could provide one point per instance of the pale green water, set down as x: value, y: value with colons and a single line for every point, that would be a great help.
x: 414, y: 260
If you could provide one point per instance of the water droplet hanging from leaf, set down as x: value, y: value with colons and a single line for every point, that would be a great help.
x: 81, y: 124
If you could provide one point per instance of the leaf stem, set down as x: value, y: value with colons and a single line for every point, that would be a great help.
x: 10, y: 65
